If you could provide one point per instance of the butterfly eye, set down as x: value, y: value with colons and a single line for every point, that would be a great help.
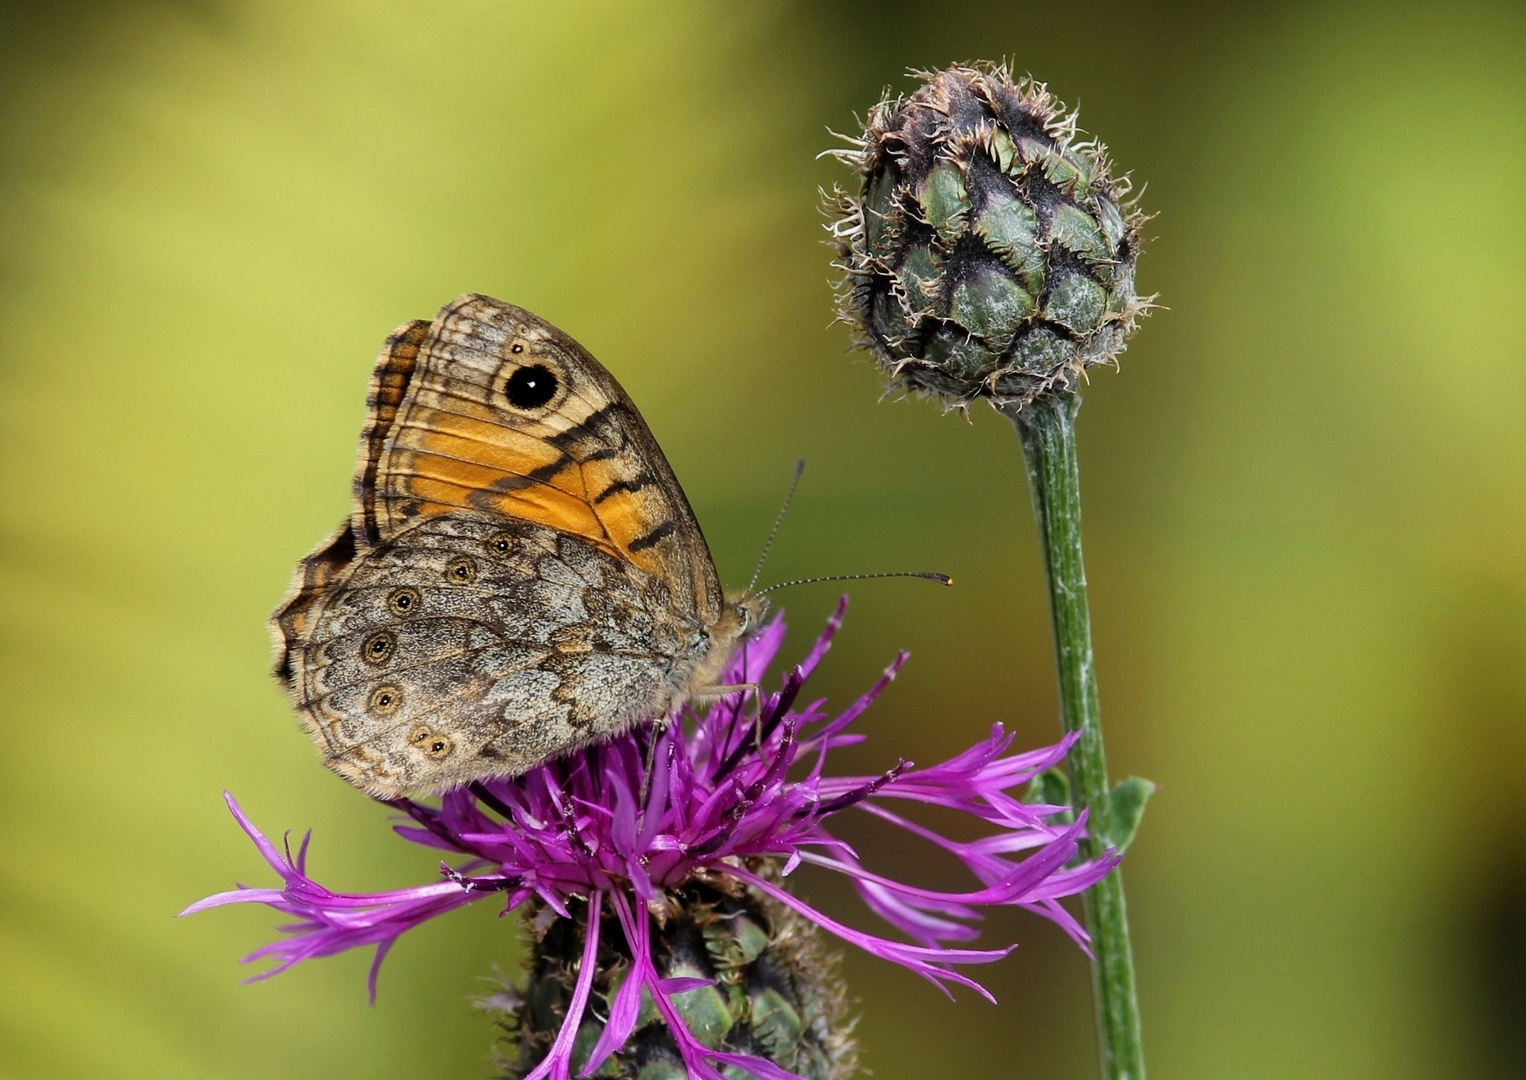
x: 403, y: 601
x: 434, y: 746
x: 385, y: 699
x: 531, y: 386
x: 461, y: 570
x: 377, y: 648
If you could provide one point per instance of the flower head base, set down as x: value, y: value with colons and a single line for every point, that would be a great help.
x: 988, y: 251
x: 732, y: 802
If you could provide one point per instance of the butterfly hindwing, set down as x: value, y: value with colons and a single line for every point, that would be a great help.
x: 469, y: 645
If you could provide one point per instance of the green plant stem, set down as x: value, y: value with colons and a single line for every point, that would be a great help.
x: 1047, y: 430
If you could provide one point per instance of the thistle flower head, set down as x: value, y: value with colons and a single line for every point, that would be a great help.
x: 614, y: 854
x: 989, y: 253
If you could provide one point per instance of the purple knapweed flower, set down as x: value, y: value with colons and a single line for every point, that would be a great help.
x: 614, y: 831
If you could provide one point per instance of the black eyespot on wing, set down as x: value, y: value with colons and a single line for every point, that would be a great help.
x: 462, y: 570
x: 501, y: 544
x: 404, y: 601
x: 384, y: 700
x: 378, y: 647
x: 531, y: 386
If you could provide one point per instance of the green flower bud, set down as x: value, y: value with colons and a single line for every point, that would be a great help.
x: 774, y: 992
x: 988, y: 253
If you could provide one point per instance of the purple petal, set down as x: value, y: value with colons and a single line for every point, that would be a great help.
x: 558, y: 1060
x: 682, y: 985
x: 759, y: 1067
x: 824, y: 642
x: 919, y: 959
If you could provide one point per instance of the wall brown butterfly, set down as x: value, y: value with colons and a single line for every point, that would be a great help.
x: 521, y: 574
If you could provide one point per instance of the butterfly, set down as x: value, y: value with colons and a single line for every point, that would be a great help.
x: 521, y: 573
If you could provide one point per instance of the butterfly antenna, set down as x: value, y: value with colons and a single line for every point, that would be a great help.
x: 930, y: 575
x: 778, y: 520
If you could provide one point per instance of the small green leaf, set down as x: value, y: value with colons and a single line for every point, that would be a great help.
x: 1071, y: 227
x: 659, y: 1068
x: 991, y: 305
x: 1076, y: 301
x: 957, y: 353
x: 703, y: 1008
x: 879, y: 227
x: 1127, y: 803
x: 1011, y: 230
x: 887, y: 319
x: 1111, y: 219
x: 1122, y: 295
x: 945, y: 200
x: 582, y: 1047
x: 1004, y: 152
x: 919, y: 274
x: 751, y: 938
x: 1050, y: 787
x: 775, y: 1021
x: 1070, y: 174
x: 1031, y: 149
x: 1043, y: 352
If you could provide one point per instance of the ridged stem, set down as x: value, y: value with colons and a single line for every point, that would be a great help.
x: 1046, y: 427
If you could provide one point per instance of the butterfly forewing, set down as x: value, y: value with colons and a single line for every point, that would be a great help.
x: 582, y: 461
x: 389, y: 383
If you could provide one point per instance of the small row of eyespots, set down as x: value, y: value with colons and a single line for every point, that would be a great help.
x: 387, y: 699
x: 434, y: 745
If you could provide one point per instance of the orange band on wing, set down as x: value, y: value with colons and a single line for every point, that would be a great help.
x: 510, y: 453
x: 444, y: 486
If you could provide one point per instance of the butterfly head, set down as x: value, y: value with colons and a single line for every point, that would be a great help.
x: 744, y: 613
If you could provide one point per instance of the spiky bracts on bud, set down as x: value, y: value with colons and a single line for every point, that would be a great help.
x: 988, y: 253
x: 763, y: 987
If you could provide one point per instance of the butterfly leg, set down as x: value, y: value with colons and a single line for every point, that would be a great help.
x: 715, y: 693
x: 654, y: 735
x: 712, y: 693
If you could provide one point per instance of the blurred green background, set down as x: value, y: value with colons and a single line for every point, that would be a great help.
x: 1306, y: 515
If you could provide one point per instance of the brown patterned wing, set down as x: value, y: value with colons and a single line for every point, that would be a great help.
x: 389, y: 384
x: 503, y: 414
x: 293, y: 621
x: 471, y: 646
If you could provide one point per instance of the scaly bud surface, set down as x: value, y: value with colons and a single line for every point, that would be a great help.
x: 988, y: 252
x: 763, y: 986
